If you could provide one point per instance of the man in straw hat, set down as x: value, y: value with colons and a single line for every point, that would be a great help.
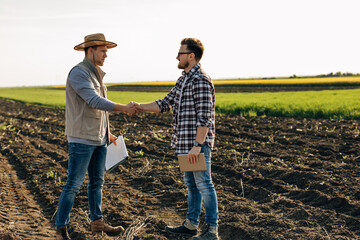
x: 88, y: 133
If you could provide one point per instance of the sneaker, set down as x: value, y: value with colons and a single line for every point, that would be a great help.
x: 62, y: 234
x: 187, y: 229
x: 208, y: 233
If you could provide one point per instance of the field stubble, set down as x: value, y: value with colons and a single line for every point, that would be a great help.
x: 276, y: 178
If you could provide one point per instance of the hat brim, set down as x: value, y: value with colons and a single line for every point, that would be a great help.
x: 82, y: 46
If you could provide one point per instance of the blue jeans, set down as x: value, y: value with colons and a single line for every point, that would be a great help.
x: 82, y: 157
x: 201, y: 188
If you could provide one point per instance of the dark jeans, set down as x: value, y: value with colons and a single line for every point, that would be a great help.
x: 201, y: 188
x: 82, y: 158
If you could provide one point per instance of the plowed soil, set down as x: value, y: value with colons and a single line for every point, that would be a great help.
x: 276, y: 178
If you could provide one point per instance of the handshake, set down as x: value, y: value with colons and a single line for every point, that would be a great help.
x: 133, y: 108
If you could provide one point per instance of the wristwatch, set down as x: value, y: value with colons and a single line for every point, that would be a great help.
x: 197, y: 144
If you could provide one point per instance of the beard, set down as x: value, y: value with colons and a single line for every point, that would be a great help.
x: 97, y: 62
x: 183, y: 66
x: 100, y: 63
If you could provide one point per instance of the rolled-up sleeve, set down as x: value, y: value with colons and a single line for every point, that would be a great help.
x: 80, y: 81
x: 202, y: 90
x: 168, y: 101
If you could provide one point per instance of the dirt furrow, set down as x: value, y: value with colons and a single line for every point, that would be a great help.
x: 20, y: 215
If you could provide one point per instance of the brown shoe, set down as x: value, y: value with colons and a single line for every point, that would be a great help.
x: 100, y: 226
x: 62, y: 234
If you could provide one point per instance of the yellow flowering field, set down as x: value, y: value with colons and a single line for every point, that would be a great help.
x: 271, y: 81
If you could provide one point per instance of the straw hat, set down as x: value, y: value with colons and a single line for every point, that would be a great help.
x: 97, y: 39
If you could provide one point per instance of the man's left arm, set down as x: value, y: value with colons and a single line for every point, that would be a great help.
x: 203, y: 101
x: 201, y: 133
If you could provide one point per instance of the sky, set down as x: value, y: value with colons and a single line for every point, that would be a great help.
x: 242, y: 38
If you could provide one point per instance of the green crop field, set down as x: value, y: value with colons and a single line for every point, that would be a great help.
x: 56, y: 98
x: 338, y: 104
x: 37, y: 95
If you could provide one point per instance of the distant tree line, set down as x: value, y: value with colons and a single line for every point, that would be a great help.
x: 337, y: 74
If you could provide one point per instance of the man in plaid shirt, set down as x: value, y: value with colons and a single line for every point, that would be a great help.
x: 192, y: 100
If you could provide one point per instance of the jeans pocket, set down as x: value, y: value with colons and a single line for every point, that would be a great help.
x: 207, y: 152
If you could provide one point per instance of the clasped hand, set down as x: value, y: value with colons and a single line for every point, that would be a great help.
x: 133, y: 108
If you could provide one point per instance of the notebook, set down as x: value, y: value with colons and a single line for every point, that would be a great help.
x: 185, y: 166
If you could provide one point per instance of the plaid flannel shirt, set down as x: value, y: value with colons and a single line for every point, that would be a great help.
x: 197, y: 108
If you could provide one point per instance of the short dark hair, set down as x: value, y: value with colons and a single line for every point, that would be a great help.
x: 87, y: 49
x: 195, y: 46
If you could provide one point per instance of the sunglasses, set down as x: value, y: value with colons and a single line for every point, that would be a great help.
x: 179, y: 53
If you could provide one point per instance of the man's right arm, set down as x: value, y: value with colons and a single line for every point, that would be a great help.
x: 149, y: 107
x: 83, y: 87
x: 128, y: 108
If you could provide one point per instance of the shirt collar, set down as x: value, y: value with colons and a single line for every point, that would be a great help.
x: 93, y: 68
x: 192, y: 71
